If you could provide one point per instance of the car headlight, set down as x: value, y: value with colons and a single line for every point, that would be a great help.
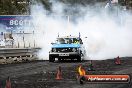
x: 54, y: 49
x: 74, y: 49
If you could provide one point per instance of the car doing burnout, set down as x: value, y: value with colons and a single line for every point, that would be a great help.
x: 68, y: 47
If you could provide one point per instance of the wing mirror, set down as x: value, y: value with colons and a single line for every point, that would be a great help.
x: 52, y: 43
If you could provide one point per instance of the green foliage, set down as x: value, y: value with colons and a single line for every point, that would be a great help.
x: 14, y: 7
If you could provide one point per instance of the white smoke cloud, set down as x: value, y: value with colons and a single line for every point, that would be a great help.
x: 108, y: 34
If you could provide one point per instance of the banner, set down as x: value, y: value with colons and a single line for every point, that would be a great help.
x: 15, y: 22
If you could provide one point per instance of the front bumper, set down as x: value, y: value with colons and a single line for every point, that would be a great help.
x: 64, y: 55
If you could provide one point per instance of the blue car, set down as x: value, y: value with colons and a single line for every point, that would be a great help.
x: 67, y: 48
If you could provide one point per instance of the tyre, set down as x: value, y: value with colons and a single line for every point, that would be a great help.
x: 51, y: 59
x: 59, y: 59
x: 79, y: 59
x: 27, y: 60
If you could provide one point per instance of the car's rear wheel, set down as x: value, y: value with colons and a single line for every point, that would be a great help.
x: 51, y: 59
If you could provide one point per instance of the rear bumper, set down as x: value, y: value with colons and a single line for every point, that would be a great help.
x: 64, y: 55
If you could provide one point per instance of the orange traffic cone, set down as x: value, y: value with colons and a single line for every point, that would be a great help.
x: 81, y: 71
x: 8, y: 83
x: 59, y: 73
x: 117, y: 61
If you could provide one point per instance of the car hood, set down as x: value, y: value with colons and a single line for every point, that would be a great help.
x: 65, y: 45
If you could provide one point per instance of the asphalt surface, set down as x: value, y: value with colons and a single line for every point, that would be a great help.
x: 42, y: 74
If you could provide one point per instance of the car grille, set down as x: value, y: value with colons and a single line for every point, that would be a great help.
x: 63, y: 49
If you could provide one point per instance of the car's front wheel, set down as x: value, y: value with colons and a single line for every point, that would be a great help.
x: 79, y: 59
x: 51, y: 59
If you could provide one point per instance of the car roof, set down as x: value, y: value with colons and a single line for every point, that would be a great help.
x: 68, y: 37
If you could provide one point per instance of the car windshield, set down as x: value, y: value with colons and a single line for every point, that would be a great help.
x: 68, y: 40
